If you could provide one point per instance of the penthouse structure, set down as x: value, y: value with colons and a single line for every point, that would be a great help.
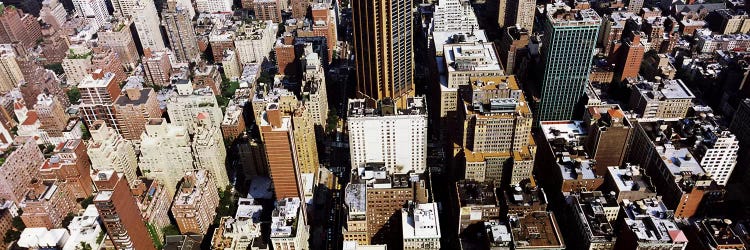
x: 420, y: 226
x: 666, y: 99
x: 288, y: 228
x: 453, y: 15
x: 649, y: 224
x: 194, y: 206
x: 394, y: 136
x: 241, y: 231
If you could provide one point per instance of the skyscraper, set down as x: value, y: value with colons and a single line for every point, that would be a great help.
x: 383, y: 48
x: 569, y: 40
x: 95, y: 10
x: 147, y: 25
x: 517, y: 12
x: 276, y: 131
x: 179, y: 26
x: 98, y: 93
x: 119, y: 212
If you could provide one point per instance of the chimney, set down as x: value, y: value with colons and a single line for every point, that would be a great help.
x: 133, y: 94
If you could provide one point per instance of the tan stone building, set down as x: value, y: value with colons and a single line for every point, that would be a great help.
x: 133, y: 109
x: 304, y: 141
x: 117, y: 36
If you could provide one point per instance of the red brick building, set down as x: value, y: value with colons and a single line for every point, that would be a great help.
x: 119, y: 212
x: 70, y: 164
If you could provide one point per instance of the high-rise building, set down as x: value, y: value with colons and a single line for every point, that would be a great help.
x: 109, y: 151
x: 383, y: 48
x: 212, y: 6
x: 209, y: 151
x: 147, y: 25
x: 165, y: 153
x: 157, y: 67
x: 668, y: 99
x: 396, y: 137
x: 287, y: 59
x: 740, y: 125
x: 179, y: 27
x: 184, y: 107
x: 194, y: 206
x: 325, y: 21
x: 98, y: 93
x: 277, y: 133
x: 19, y: 168
x: 570, y: 38
x: 18, y: 27
x: 304, y: 141
x: 314, y: 93
x: 46, y: 204
x: 629, y: 55
x: 95, y: 10
x: 154, y: 202
x: 205, y: 75
x: 268, y: 10
x: 517, y: 12
x: 233, y: 125
x: 512, y: 48
x: 70, y: 164
x: 134, y: 109
x: 117, y: 36
x: 609, y: 135
x: 300, y: 8
x: 51, y: 115
x: 454, y: 15
x: 53, y: 13
x: 231, y: 65
x: 10, y: 73
x: 119, y: 212
x: 254, y: 41
x: 107, y: 60
x: 77, y: 65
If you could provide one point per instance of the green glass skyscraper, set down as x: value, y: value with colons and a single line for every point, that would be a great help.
x: 567, y: 52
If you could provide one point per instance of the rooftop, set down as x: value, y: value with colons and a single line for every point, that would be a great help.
x: 420, y: 221
x: 718, y: 232
x: 665, y: 90
x: 477, y: 56
x: 536, y: 229
x: 566, y: 141
x: 474, y: 193
x: 631, y: 178
x: 386, y: 107
x: 650, y: 220
x: 590, y: 210
x: 285, y: 217
x: 560, y: 14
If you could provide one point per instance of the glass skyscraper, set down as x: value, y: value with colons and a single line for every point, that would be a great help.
x: 567, y: 52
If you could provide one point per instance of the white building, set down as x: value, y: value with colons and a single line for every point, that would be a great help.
x: 95, y: 10
x: 109, y: 151
x: 209, y: 151
x: 84, y: 229
x: 147, y: 24
x: 454, y: 15
x: 392, y: 136
x: 242, y: 230
x: 254, y: 41
x: 285, y: 235
x: 212, y: 6
x: 53, y: 13
x: 421, y: 226
x: 231, y: 65
x: 183, y: 108
x: 41, y: 238
x: 165, y: 153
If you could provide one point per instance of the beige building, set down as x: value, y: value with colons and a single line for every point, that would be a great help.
x: 77, y: 66
x: 109, y: 151
x: 304, y: 141
x: 194, y: 206
x: 147, y: 25
x: 165, y: 153
x: 209, y: 151
x: 668, y: 99
x: 10, y: 73
x: 458, y: 66
x: 231, y: 65
x: 154, y: 202
x: 254, y: 41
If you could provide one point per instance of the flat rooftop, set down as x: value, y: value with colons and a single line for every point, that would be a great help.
x: 474, y: 193
x: 421, y: 222
x: 537, y: 229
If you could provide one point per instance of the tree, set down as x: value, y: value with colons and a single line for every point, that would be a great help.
x: 86, y: 202
x: 85, y: 134
x: 68, y: 218
x: 170, y: 230
x: 74, y: 95
x: 84, y: 246
x: 11, y: 236
x: 18, y: 223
